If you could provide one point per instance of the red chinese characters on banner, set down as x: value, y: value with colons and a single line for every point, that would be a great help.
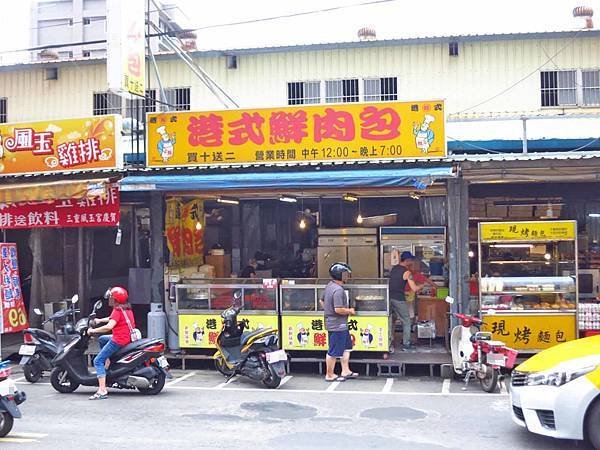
x: 206, y: 131
x: 379, y: 124
x: 14, y: 317
x: 247, y: 128
x: 336, y: 125
x: 27, y: 139
x: 287, y: 127
x: 85, y: 212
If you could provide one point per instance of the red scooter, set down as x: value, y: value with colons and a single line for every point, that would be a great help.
x: 476, y: 355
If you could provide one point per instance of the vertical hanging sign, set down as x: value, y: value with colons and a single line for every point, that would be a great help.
x: 126, y: 46
x: 184, y: 230
x: 13, y: 308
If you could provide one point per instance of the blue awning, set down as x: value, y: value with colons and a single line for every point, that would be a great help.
x: 419, y: 178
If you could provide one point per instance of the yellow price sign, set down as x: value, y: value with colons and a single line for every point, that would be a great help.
x: 563, y: 230
x: 202, y: 330
x: 533, y: 331
x: 369, y: 333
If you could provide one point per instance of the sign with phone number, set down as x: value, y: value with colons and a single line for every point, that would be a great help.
x: 564, y: 230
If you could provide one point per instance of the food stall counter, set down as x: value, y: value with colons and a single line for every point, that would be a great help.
x: 201, y: 302
x: 303, y: 323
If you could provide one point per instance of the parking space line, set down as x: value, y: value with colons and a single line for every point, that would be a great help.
x: 19, y: 379
x: 446, y: 386
x: 503, y: 389
x: 17, y: 440
x: 285, y: 380
x: 180, y: 379
x: 37, y: 383
x: 27, y: 435
x: 222, y: 385
x: 388, y: 385
x: 332, y: 387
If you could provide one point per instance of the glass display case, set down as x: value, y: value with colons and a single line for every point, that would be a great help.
x: 528, y: 282
x: 201, y: 301
x: 303, y: 323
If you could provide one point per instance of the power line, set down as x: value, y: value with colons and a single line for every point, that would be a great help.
x: 244, y: 22
x: 533, y: 72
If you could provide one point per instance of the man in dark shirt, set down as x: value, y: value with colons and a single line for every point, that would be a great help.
x: 336, y: 312
x: 400, y: 276
x: 250, y: 270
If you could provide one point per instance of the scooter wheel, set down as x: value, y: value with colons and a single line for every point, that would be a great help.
x: 32, y: 371
x: 273, y: 381
x: 157, y: 386
x: 60, y: 380
x: 6, y: 423
x: 490, y: 381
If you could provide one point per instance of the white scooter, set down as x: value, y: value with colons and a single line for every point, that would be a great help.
x: 10, y: 397
x: 476, y: 355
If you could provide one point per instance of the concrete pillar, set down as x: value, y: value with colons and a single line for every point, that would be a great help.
x: 458, y: 243
x: 157, y: 255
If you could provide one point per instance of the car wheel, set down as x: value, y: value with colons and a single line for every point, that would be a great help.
x: 591, y: 424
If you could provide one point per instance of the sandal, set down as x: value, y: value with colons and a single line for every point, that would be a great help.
x: 335, y: 379
x: 98, y: 396
x: 350, y: 376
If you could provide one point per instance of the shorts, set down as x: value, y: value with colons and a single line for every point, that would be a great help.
x: 339, y: 342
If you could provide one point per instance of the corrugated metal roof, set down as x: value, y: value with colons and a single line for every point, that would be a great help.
x: 415, y: 40
x: 549, y: 156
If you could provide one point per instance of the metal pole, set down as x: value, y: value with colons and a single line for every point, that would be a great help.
x: 524, y: 120
x: 161, y: 91
x: 81, y: 265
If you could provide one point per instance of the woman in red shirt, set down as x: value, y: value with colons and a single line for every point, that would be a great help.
x: 121, y: 335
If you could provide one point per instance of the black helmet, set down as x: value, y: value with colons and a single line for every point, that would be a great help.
x: 337, y: 269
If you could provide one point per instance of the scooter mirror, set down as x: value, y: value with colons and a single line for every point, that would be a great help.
x: 107, y: 294
x: 75, y: 298
x: 37, y: 311
x: 237, y: 295
x: 97, y: 305
x: 449, y: 300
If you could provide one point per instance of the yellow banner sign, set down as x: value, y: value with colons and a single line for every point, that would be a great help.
x: 201, y: 330
x: 565, y: 230
x: 369, y: 333
x: 392, y: 130
x: 184, y: 230
x: 60, y: 145
x: 531, y: 332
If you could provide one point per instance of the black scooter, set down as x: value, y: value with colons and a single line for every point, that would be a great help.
x: 40, y: 347
x: 140, y: 365
x: 253, y: 354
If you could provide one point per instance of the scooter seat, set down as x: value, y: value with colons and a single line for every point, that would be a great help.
x: 132, y: 346
x: 41, y: 333
x: 247, y: 336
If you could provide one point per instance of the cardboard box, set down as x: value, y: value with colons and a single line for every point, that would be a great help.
x: 520, y: 212
x: 221, y: 263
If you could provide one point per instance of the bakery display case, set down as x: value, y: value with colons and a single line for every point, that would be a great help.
x: 302, y: 320
x: 200, y: 303
x: 528, y: 282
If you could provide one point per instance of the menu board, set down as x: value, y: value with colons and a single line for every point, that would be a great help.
x: 14, y: 317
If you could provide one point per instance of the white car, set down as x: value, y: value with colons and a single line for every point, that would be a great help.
x: 556, y: 393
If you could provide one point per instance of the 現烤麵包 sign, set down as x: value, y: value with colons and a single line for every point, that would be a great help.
x: 368, y: 132
x: 60, y: 145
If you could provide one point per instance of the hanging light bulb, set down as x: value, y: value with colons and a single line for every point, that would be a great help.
x: 198, y: 226
x: 359, y: 219
x: 302, y: 224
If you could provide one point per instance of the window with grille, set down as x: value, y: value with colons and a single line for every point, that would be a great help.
x: 136, y: 108
x: 3, y: 110
x: 106, y: 103
x: 178, y: 98
x: 380, y: 89
x: 341, y: 91
x: 304, y: 92
x: 559, y: 88
x: 590, y: 80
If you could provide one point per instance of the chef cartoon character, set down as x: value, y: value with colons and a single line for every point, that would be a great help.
x: 166, y: 144
x: 366, y: 336
x: 424, y: 135
x: 302, y: 335
x: 198, y: 334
